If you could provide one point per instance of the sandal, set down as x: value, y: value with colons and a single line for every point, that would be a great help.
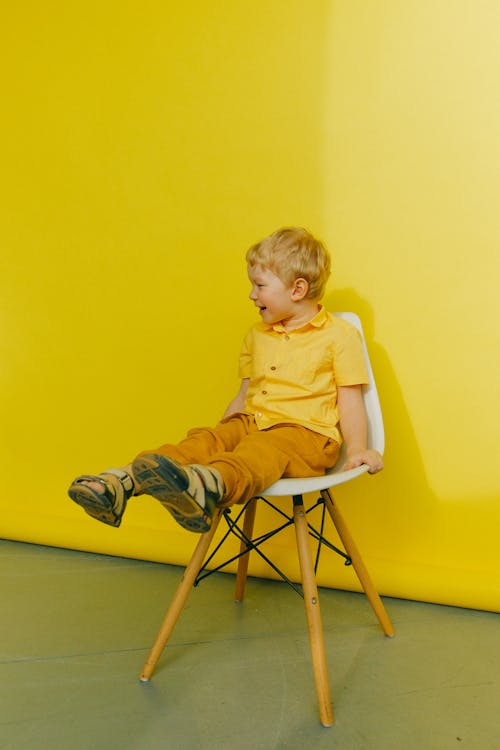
x: 108, y: 506
x: 178, y: 488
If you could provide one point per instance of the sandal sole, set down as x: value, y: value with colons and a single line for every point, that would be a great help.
x: 159, y: 477
x: 95, y: 504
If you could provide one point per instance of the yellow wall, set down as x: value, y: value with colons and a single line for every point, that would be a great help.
x: 145, y: 146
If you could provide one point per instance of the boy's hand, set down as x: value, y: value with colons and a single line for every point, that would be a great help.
x: 371, y: 458
x: 238, y: 402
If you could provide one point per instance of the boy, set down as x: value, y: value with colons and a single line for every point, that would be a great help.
x: 301, y: 370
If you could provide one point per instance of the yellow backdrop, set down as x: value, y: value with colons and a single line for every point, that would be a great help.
x: 145, y: 146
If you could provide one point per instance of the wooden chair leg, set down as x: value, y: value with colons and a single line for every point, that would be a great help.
x: 241, y: 575
x: 180, y: 597
x: 358, y: 564
x: 313, y: 613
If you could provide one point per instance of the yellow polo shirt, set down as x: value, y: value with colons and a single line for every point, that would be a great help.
x: 294, y: 374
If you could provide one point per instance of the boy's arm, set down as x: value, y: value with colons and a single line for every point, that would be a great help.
x: 354, y: 430
x: 238, y: 402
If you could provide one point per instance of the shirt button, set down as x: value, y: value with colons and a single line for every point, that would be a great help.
x: 264, y: 393
x: 287, y: 337
x: 273, y: 368
x: 259, y: 414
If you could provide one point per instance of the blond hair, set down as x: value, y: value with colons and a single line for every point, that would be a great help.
x: 293, y: 253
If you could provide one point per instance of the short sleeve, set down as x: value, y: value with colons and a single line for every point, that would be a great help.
x: 245, y: 362
x: 349, y: 363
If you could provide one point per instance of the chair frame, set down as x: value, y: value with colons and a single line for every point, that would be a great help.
x: 196, y: 569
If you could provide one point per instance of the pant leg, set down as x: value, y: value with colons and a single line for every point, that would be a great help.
x: 262, y: 457
x: 201, y: 443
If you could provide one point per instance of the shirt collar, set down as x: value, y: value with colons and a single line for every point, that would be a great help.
x: 318, y: 321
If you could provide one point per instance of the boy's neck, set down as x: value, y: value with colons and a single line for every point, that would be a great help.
x: 307, y: 310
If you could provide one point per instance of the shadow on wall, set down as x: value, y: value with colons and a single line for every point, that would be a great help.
x: 401, y: 492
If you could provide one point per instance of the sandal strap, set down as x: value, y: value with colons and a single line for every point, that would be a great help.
x: 125, y: 480
x: 90, y: 478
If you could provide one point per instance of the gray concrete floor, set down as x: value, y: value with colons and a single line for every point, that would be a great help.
x: 76, y: 628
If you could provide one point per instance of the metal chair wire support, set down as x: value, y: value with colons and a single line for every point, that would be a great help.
x: 247, y: 545
x: 254, y: 544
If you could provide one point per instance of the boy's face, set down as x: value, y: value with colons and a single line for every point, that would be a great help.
x: 273, y: 298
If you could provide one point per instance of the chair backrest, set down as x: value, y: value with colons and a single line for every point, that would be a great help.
x: 376, y: 436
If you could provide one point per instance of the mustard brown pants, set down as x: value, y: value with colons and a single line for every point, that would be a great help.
x: 249, y: 459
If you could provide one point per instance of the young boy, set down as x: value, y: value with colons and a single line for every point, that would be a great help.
x: 301, y: 371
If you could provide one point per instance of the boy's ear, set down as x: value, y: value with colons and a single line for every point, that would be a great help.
x: 300, y: 288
